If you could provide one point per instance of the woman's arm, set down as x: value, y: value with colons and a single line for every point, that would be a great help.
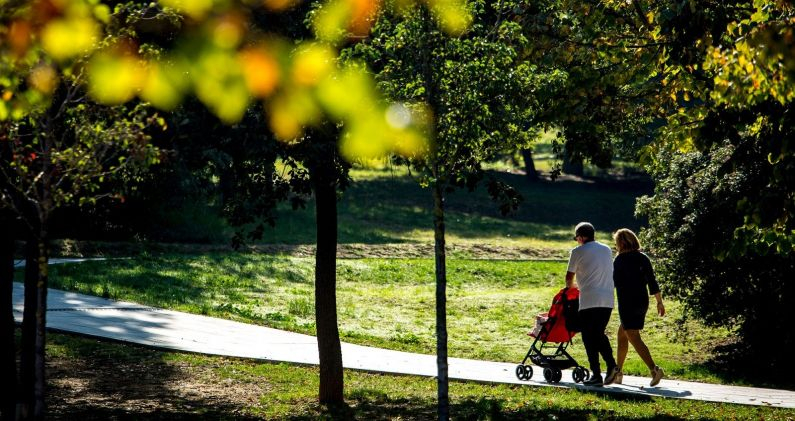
x: 660, y: 305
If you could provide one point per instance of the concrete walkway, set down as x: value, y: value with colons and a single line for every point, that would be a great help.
x: 134, y: 323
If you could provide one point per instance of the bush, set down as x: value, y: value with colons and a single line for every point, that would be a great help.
x: 693, y: 218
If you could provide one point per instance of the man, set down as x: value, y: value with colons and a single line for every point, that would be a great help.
x: 591, y: 263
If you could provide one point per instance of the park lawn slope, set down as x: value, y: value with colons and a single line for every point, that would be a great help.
x: 387, y: 303
x: 388, y: 206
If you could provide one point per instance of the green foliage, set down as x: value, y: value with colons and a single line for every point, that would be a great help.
x: 65, y: 155
x: 695, y: 219
x: 476, y: 85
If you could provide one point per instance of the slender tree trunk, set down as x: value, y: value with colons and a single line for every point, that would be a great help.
x: 328, y: 337
x: 27, y: 368
x: 8, y: 366
x: 441, y: 303
x: 529, y: 165
x: 41, y: 326
x: 432, y: 99
x: 33, y: 329
x: 572, y: 166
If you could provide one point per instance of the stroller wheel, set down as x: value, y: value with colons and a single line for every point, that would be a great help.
x: 556, y: 375
x: 578, y: 374
x: 548, y: 374
x: 524, y: 372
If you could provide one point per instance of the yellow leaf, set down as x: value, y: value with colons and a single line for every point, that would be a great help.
x: 260, y: 70
x: 363, y: 13
x: 279, y: 5
x: 331, y: 21
x: 228, y: 30
x: 290, y: 112
x: 114, y: 78
x: 163, y: 86
x: 311, y: 64
x: 284, y: 124
x: 348, y: 93
x: 453, y: 14
x: 66, y: 38
x: 193, y: 8
x: 364, y: 139
x: 43, y: 79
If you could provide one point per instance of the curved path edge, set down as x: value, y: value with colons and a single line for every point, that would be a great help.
x: 171, y: 330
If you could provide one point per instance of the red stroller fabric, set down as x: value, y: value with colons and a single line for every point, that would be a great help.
x: 555, y: 327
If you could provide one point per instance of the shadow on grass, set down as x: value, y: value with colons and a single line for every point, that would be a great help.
x: 487, y: 408
x: 735, y: 363
x: 388, y: 209
x: 99, y: 381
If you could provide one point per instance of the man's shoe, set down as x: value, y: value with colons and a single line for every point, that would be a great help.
x: 595, y: 380
x: 657, y: 374
x: 611, y: 375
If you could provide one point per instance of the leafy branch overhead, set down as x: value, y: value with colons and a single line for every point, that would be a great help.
x: 212, y: 49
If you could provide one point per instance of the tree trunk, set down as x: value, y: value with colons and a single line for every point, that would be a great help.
x: 328, y: 337
x: 441, y: 304
x: 8, y: 366
x: 432, y: 99
x: 529, y: 165
x: 33, y: 329
x: 572, y: 166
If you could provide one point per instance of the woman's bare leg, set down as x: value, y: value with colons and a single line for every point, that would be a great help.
x: 622, y: 346
x: 633, y: 335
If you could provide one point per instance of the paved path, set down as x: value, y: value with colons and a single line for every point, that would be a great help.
x: 172, y: 330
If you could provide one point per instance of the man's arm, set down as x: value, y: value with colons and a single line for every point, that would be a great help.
x: 569, y: 279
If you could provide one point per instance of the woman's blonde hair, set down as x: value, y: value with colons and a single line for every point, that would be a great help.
x: 626, y: 240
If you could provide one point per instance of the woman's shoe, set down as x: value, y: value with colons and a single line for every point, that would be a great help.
x: 611, y: 375
x: 619, y: 378
x: 657, y: 374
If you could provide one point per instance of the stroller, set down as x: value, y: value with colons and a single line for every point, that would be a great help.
x: 553, y: 333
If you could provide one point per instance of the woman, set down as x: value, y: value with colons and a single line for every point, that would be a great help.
x: 634, y: 280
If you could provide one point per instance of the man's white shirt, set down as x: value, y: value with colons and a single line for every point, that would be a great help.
x: 592, y: 263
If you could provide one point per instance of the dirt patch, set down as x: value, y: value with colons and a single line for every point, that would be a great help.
x: 146, y: 387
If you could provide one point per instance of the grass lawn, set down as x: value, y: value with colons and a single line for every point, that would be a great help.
x: 387, y: 206
x: 90, y: 379
x: 383, y: 302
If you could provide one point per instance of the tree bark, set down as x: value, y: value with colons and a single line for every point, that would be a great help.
x: 529, y: 165
x: 34, y: 329
x: 8, y: 366
x: 324, y: 183
x: 572, y: 166
x: 441, y: 303
x: 432, y: 99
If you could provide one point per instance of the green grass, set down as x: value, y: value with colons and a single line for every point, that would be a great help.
x: 384, y: 302
x: 289, y: 392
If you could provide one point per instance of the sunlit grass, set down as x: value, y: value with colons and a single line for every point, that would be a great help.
x: 382, y: 302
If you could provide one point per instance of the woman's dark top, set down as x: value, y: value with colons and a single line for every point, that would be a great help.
x: 634, y: 279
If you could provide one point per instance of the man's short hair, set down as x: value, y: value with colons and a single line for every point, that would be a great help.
x: 585, y: 230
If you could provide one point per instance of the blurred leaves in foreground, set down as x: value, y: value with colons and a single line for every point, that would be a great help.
x: 216, y: 52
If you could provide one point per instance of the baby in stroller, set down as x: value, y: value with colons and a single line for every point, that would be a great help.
x: 553, y: 333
